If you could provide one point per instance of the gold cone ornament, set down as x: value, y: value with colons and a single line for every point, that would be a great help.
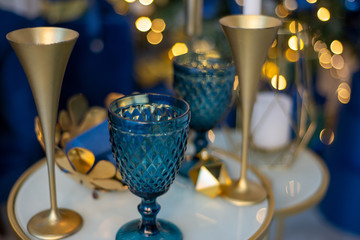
x: 250, y: 37
x: 209, y: 175
x: 43, y: 53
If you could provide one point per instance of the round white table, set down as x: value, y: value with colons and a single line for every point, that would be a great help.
x: 198, y: 216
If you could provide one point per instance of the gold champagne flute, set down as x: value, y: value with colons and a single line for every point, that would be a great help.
x: 250, y: 37
x: 43, y: 53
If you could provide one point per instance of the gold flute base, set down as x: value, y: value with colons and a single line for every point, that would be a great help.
x: 46, y: 226
x: 242, y: 195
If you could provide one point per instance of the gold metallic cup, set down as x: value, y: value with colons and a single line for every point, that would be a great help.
x: 250, y: 37
x: 43, y: 53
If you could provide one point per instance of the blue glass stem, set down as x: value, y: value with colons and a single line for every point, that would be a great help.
x: 149, y: 208
x: 200, y: 141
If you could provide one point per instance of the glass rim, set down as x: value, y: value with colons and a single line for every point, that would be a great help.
x: 14, y: 35
x: 184, y: 114
x: 226, y: 59
x: 246, y: 22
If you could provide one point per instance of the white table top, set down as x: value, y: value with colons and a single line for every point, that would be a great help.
x: 197, y: 216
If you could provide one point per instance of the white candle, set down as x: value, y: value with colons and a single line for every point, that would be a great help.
x: 271, y: 120
x: 252, y: 7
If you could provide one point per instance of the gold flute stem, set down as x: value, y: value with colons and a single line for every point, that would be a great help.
x: 247, y: 111
x: 193, y: 17
x: 49, y: 138
x: 244, y: 157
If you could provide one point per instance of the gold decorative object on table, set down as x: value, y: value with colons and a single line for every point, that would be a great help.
x: 78, y: 162
x: 79, y: 165
x: 250, y: 37
x: 79, y: 117
x: 209, y: 175
x: 43, y: 53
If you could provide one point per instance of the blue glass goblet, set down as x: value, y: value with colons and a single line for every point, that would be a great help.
x: 206, y: 83
x: 148, y: 135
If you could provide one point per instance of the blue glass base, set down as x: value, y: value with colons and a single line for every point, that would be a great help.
x: 167, y: 231
x: 187, y: 164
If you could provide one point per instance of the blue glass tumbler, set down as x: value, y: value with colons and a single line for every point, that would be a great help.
x: 148, y: 135
x: 206, y: 83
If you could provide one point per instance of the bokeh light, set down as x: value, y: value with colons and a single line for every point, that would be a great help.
x: 270, y: 69
x: 323, y: 14
x: 327, y: 136
x: 311, y: 1
x: 154, y: 37
x: 146, y: 2
x: 336, y: 47
x: 292, y: 27
x: 278, y: 82
x: 143, y: 24
x: 281, y: 11
x: 290, y: 4
x: 291, y: 55
x: 158, y: 25
x: 344, y: 92
x: 337, y: 61
x: 319, y: 45
x: 325, y: 65
x: 294, y: 43
x: 325, y: 58
x: 178, y: 49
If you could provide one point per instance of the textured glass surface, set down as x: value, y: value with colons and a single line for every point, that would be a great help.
x: 149, y: 112
x: 148, y: 133
x: 206, y: 84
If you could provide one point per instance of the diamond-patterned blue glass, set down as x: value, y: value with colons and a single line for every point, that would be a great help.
x: 148, y: 134
x: 206, y: 83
